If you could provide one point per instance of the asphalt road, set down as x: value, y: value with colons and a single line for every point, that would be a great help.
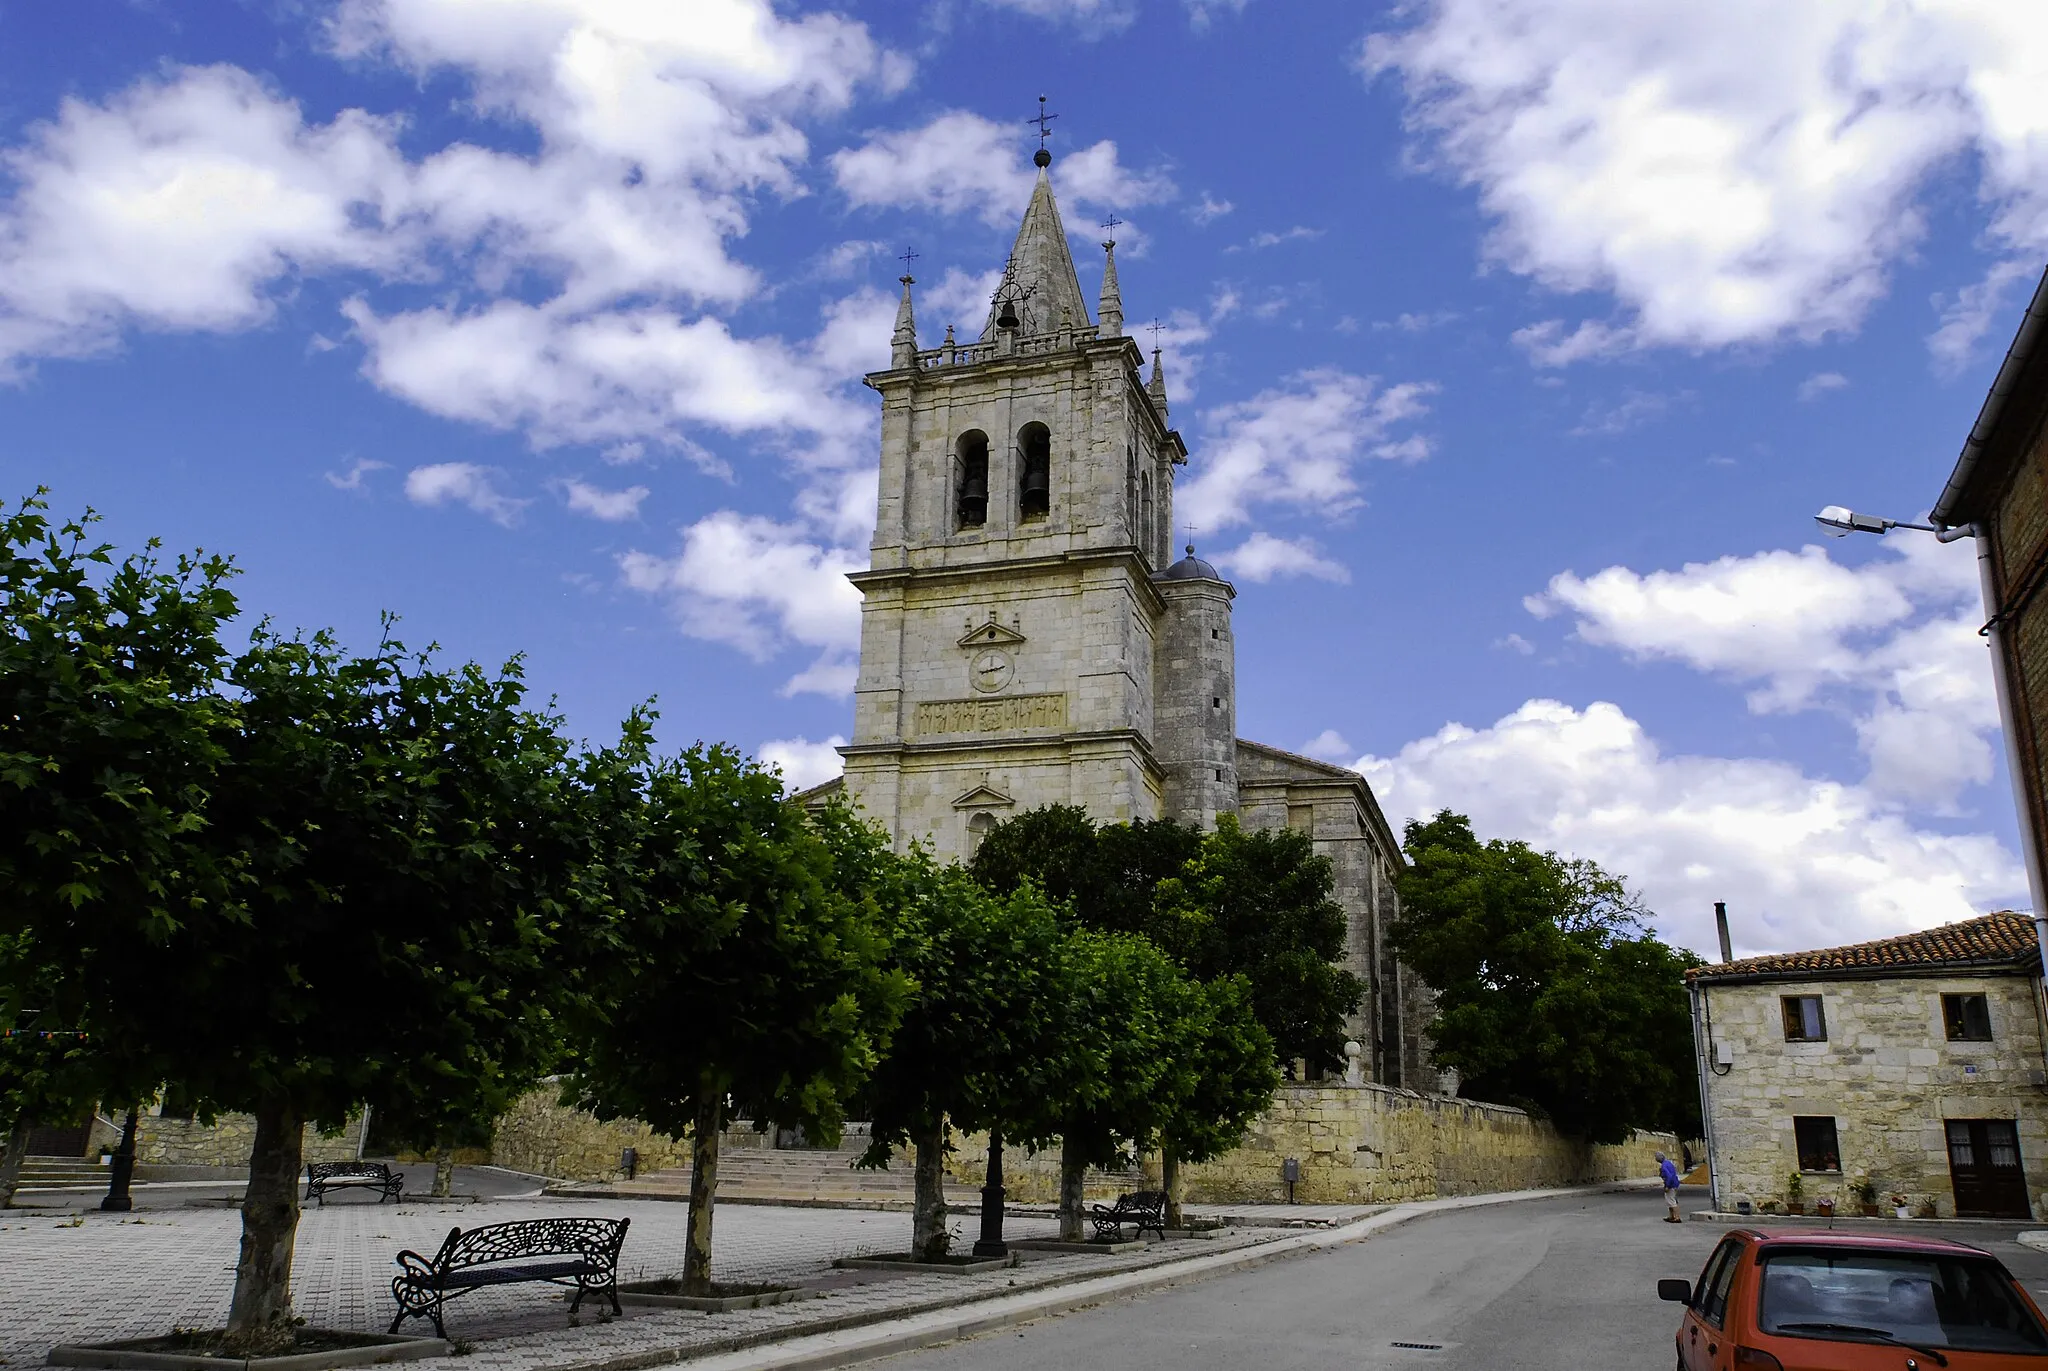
x: 1567, y: 1283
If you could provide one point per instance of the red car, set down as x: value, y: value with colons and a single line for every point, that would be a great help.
x: 1854, y: 1302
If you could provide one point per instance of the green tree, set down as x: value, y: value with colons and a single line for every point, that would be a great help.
x: 1122, y: 1074
x: 1550, y: 994
x: 1258, y: 903
x: 740, y: 974
x: 47, y: 1069
x: 1226, y: 1077
x: 980, y: 1042
x: 1235, y: 901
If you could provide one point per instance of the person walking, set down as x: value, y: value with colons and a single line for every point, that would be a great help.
x: 1667, y: 1171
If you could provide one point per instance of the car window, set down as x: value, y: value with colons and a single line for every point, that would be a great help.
x: 1965, y: 1303
x: 1712, y: 1298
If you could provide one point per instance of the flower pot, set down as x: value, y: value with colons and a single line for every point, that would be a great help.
x: 1869, y: 1211
x: 1795, y: 1206
x: 1903, y: 1212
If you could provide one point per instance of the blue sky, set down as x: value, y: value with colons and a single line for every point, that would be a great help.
x: 1515, y: 343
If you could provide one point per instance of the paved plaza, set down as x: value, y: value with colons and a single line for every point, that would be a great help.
x: 79, y: 1276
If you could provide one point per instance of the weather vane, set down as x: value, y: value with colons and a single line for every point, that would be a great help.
x: 1111, y: 223
x: 1042, y: 119
x: 906, y: 257
x: 1155, y: 326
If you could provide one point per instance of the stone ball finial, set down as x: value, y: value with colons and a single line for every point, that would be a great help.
x: 1041, y: 158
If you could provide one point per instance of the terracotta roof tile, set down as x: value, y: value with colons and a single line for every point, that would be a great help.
x: 2001, y: 938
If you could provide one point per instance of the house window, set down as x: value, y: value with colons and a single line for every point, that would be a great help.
x: 1818, y: 1149
x: 1804, y: 1023
x: 1967, y: 1017
x: 970, y: 501
x: 1034, y: 486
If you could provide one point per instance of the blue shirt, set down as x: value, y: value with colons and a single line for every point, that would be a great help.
x: 1670, y: 1174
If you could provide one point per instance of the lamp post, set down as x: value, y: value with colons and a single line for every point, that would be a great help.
x: 1838, y: 522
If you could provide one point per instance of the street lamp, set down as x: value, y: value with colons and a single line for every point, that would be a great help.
x: 1838, y: 522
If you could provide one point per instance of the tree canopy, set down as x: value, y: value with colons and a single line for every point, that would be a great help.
x: 1256, y: 903
x: 1551, y: 992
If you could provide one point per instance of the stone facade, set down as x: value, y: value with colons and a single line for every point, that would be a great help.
x: 1886, y: 1074
x: 542, y: 1137
x: 1021, y: 649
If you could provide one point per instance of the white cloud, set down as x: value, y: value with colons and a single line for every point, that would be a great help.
x: 1262, y: 557
x: 1973, y: 312
x: 1209, y: 210
x: 802, y: 762
x: 182, y: 204
x: 1821, y: 383
x: 1097, y: 18
x: 1802, y: 862
x: 357, y: 470
x: 1548, y: 345
x: 1891, y: 645
x: 1297, y: 444
x: 960, y: 162
x: 1515, y: 642
x: 462, y: 483
x: 1725, y: 189
x: 1612, y: 418
x: 1270, y: 239
x: 1330, y: 745
x: 760, y: 586
x: 613, y: 506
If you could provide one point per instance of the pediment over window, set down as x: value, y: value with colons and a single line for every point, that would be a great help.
x: 983, y: 796
x: 991, y: 634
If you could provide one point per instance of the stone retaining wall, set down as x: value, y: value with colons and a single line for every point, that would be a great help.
x: 228, y: 1141
x: 1357, y: 1144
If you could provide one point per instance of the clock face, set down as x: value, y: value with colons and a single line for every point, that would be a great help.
x: 990, y: 671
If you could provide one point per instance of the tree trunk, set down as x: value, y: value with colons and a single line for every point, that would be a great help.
x: 122, y: 1171
x: 703, y: 1193
x: 444, y: 1172
x: 1169, y: 1176
x: 10, y: 1165
x: 928, y: 1238
x: 270, y: 1221
x: 1073, y: 1170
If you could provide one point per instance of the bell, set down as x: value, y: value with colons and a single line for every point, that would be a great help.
x: 1007, y: 318
x: 974, y: 498
x: 1035, y: 484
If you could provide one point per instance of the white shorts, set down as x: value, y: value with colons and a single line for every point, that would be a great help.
x: 1671, y: 1194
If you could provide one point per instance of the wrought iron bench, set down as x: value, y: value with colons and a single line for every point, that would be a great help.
x: 578, y: 1252
x: 1143, y: 1208
x: 322, y: 1177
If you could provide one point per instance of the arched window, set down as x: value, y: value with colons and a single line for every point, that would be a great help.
x: 970, y: 480
x: 1148, y: 536
x: 1034, y: 482
x: 978, y: 828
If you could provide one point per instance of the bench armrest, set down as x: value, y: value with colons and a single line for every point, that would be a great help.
x: 412, y: 1264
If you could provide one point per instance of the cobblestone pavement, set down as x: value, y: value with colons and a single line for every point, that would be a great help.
x: 91, y: 1276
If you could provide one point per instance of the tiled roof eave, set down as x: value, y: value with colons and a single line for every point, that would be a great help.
x: 2006, y: 966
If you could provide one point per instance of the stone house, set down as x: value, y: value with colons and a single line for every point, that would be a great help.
x: 1915, y: 1063
x: 1028, y: 636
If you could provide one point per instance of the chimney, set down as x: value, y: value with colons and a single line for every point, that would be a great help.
x: 1721, y: 926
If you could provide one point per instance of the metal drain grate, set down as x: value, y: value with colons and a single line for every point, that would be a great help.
x: 1420, y: 1346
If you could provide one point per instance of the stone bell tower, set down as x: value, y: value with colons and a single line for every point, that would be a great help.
x: 1023, y: 641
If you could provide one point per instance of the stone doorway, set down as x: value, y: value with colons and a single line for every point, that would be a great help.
x: 1984, y: 1167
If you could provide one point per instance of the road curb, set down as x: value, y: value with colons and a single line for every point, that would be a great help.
x: 882, y: 1334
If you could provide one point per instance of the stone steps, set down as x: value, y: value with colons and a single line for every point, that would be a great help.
x: 58, y: 1173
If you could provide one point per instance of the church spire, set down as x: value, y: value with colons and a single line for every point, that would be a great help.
x: 1156, y: 388
x: 903, y: 342
x: 1040, y: 282
x: 1111, y: 309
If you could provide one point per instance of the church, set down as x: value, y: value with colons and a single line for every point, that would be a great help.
x: 1029, y: 638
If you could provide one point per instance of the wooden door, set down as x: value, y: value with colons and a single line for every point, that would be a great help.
x: 1984, y: 1167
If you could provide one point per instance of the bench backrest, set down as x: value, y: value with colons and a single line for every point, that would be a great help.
x: 598, y: 1240
x: 321, y: 1171
x: 1144, y: 1199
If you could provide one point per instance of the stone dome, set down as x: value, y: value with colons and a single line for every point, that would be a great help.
x: 1191, y: 568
